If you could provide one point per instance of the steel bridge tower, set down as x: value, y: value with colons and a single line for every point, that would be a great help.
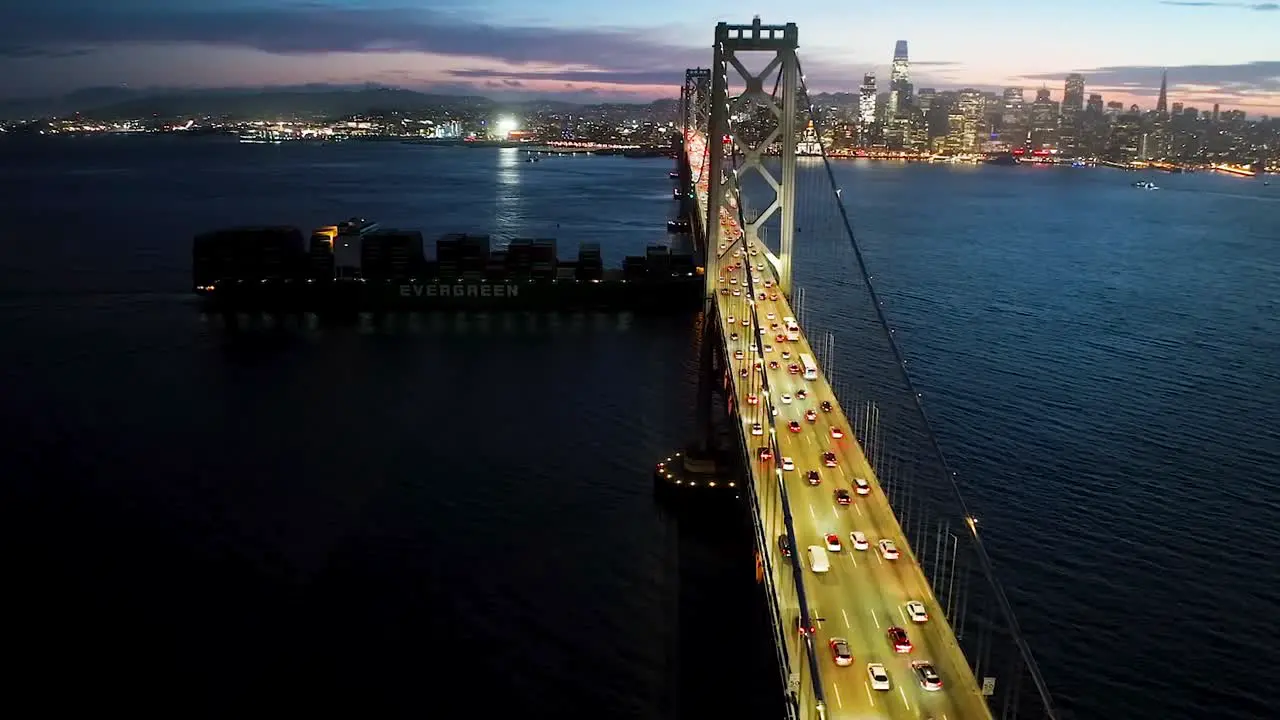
x: 781, y: 41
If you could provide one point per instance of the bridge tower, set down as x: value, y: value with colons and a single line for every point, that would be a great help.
x: 781, y: 41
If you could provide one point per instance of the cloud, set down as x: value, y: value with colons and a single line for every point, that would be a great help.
x: 1238, y: 80
x: 933, y: 63
x: 312, y: 28
x: 1260, y: 7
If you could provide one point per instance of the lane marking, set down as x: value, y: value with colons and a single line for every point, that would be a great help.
x: 875, y: 617
x: 846, y: 619
x: 853, y: 558
x: 836, y: 513
x: 902, y: 611
x: 880, y: 559
x: 870, y: 696
x: 859, y: 509
x: 903, y: 692
x: 835, y: 687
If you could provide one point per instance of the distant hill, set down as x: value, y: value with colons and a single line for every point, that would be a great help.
x: 310, y: 100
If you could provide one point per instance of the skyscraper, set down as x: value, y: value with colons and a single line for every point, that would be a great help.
x: 1012, y: 112
x: 867, y: 99
x: 1073, y: 94
x: 1162, y: 103
x: 899, y: 79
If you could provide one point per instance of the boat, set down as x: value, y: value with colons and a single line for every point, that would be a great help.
x: 1145, y: 185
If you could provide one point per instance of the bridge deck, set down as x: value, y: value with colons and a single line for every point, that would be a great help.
x: 863, y: 594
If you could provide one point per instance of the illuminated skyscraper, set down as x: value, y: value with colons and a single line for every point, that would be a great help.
x: 1162, y: 102
x: 867, y: 99
x: 1073, y: 94
x: 899, y: 79
x: 971, y: 105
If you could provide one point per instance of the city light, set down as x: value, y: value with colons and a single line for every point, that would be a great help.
x: 504, y: 126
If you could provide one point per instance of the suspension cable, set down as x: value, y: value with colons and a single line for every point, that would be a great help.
x: 984, y: 559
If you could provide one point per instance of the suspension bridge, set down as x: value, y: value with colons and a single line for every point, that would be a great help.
x: 883, y: 599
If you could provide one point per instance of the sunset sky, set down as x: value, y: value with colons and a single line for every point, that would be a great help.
x: 1225, y: 52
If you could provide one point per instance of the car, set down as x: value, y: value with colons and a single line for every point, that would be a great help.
x: 755, y: 278
x: 928, y: 677
x: 836, y: 433
x: 731, y: 319
x: 725, y: 291
x: 753, y: 399
x: 833, y: 542
x: 826, y: 406
x: 813, y: 477
x: 744, y: 372
x: 746, y: 322
x: 793, y: 426
x: 786, y: 354
x: 840, y: 652
x: 802, y: 393
x: 737, y: 253
x: 763, y: 332
x: 784, y: 545
x: 773, y: 296
x: 733, y: 337
x: 860, y: 484
x: 898, y: 637
x: 768, y: 283
x: 878, y: 675
x: 794, y: 369
x: 764, y: 454
x: 768, y: 348
x: 773, y: 365
x: 738, y: 355
x: 786, y: 399
x: 763, y: 297
x: 733, y: 281
x: 859, y: 540
x: 843, y: 497
x: 773, y: 326
x: 737, y: 292
x: 780, y: 337
x: 787, y: 464
x: 811, y: 415
x: 771, y: 316
x: 917, y: 612
x: 759, y: 266
x: 754, y: 252
x: 756, y: 429
x: 888, y: 549
x: 829, y: 459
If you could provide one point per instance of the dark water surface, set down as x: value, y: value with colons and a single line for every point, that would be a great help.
x: 456, y: 512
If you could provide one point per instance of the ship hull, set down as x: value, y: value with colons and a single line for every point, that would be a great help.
x: 667, y: 295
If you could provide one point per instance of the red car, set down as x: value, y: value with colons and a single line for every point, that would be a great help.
x: 837, y: 433
x: 826, y: 406
x: 764, y: 453
x: 753, y: 399
x: 794, y: 369
x: 843, y: 497
x: 781, y: 338
x: 898, y: 637
x: 829, y: 459
x: 793, y: 426
x: 811, y: 415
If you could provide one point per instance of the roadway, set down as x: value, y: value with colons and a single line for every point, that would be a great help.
x: 863, y: 594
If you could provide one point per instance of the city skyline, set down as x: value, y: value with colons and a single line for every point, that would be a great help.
x: 577, y: 52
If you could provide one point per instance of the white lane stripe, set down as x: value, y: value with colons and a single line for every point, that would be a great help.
x: 903, y: 613
x: 812, y: 514
x: 870, y: 696
x: 835, y: 687
x: 875, y: 617
x: 846, y: 620
x: 903, y: 691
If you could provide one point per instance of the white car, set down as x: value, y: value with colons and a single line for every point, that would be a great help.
x: 737, y: 292
x: 768, y: 348
x: 746, y: 322
x: 756, y: 429
x: 878, y: 675
x: 786, y: 399
x: 859, y: 540
x: 916, y: 611
x: 787, y: 464
x: 764, y: 331
x: 732, y: 319
x: 738, y: 354
x: 771, y: 316
x: 861, y: 486
x: 888, y: 549
x: 786, y: 354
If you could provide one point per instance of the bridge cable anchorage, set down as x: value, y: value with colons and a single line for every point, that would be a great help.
x: 984, y: 558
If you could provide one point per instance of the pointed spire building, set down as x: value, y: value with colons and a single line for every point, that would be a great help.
x: 1162, y: 102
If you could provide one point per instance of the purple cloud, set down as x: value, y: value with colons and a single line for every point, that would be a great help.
x: 1262, y: 76
x: 1260, y: 7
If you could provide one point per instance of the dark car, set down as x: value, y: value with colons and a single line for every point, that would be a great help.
x: 813, y: 477
x: 784, y: 545
x: 843, y: 497
x: 826, y: 406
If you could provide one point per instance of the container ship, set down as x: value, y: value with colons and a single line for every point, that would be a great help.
x: 358, y: 266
